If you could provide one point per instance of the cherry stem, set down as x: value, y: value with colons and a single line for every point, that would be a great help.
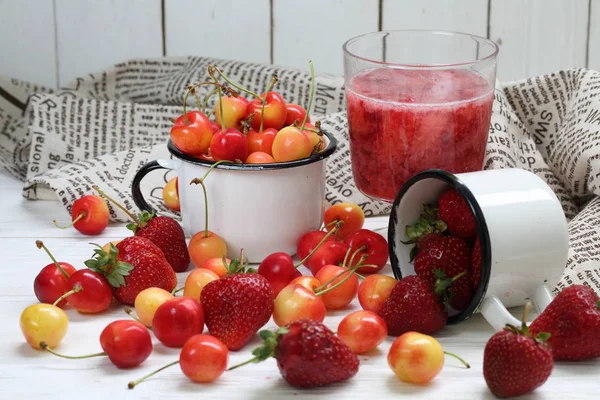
x: 45, y: 347
x: 337, y: 276
x: 208, y: 96
x: 129, y: 312
x: 331, y: 232
x: 177, y: 290
x: 185, y: 97
x: 466, y: 364
x: 332, y: 223
x: 82, y: 215
x: 312, y: 93
x: 41, y: 245
x: 262, y: 110
x: 76, y: 288
x: 250, y: 361
x: 525, y: 312
x: 211, y: 70
x: 361, y: 248
x: 129, y: 214
x: 205, y: 209
x: 346, y: 256
x: 132, y: 384
x: 348, y: 273
x: 221, y: 109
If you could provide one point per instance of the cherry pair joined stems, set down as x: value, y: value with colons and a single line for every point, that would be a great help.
x: 312, y: 93
x: 349, y: 272
x: 41, y: 245
x: 192, y: 89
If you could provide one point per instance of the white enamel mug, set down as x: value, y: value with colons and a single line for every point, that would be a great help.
x: 262, y: 208
x: 522, y: 230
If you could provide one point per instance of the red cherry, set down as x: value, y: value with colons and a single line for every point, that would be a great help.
x: 309, y: 241
x: 192, y: 136
x: 230, y: 145
x: 203, y: 358
x: 374, y: 246
x: 215, y: 127
x: 330, y: 253
x: 342, y: 295
x: 96, y: 294
x: 127, y: 343
x: 274, y: 112
x: 52, y: 282
x: 261, y: 141
x: 278, y: 269
x: 234, y: 110
x: 350, y: 214
x: 294, y: 113
x: 177, y: 320
x: 89, y: 215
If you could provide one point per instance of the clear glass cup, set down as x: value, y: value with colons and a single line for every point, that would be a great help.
x: 416, y: 100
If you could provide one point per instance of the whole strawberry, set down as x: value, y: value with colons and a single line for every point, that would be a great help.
x: 308, y: 354
x: 454, y: 210
x: 167, y: 234
x: 516, y: 363
x: 573, y: 321
x: 413, y: 306
x: 133, y: 265
x: 237, y: 306
x: 452, y: 256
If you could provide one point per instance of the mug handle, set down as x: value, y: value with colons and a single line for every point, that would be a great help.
x: 498, y: 316
x: 136, y: 192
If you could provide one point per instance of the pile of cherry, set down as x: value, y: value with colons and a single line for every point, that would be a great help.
x: 235, y: 301
x: 263, y: 130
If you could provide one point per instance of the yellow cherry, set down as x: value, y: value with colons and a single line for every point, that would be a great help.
x: 147, y: 301
x: 44, y: 323
x: 196, y: 281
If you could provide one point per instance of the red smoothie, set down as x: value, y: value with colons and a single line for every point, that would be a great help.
x: 405, y: 121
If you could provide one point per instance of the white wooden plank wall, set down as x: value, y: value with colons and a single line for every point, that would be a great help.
x: 54, y: 41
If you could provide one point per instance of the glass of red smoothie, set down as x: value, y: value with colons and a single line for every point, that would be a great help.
x: 416, y: 100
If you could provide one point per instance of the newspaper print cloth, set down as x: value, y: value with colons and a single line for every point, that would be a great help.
x: 102, y: 128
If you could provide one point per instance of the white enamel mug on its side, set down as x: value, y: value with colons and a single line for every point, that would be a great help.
x: 522, y: 230
x: 262, y: 208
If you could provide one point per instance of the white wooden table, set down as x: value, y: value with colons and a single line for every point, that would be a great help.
x: 29, y: 374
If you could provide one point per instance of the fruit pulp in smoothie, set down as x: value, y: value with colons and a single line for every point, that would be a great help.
x: 404, y: 121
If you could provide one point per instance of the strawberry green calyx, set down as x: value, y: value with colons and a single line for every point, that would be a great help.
x: 108, y: 265
x: 238, y: 265
x: 598, y: 304
x: 540, y: 338
x: 266, y: 349
x: 443, y: 283
x: 428, y: 225
x: 142, y: 220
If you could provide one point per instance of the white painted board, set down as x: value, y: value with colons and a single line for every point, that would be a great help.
x: 538, y: 36
x: 316, y: 30
x: 94, y: 35
x: 229, y: 29
x: 27, y: 41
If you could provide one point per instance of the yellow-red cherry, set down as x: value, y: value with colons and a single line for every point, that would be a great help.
x: 147, y: 302
x: 291, y: 144
x: 374, y: 290
x: 296, y: 302
x: 362, y: 331
x: 205, y: 245
x: 192, y: 135
x: 170, y: 195
x: 343, y: 294
x: 234, y: 111
x: 350, y: 214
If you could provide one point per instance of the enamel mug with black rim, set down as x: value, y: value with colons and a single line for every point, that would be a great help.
x: 262, y: 208
x: 522, y: 230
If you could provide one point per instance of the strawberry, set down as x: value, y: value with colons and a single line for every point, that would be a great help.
x: 454, y: 210
x: 133, y: 265
x: 476, y: 263
x: 573, y: 321
x: 516, y: 363
x: 237, y: 306
x: 308, y: 354
x: 413, y: 306
x: 167, y: 234
x: 451, y: 256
